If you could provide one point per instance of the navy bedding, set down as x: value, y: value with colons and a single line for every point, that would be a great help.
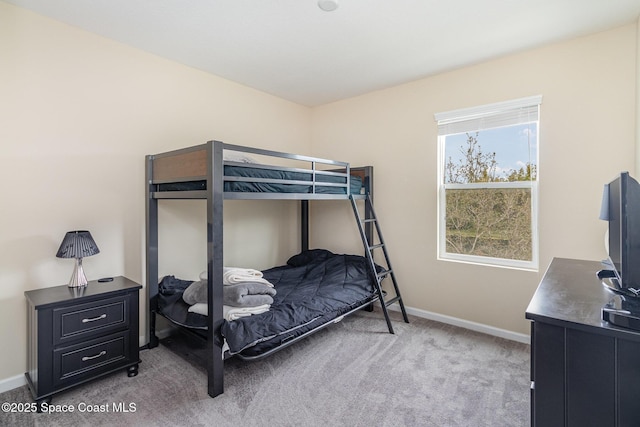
x: 274, y: 174
x: 314, y: 288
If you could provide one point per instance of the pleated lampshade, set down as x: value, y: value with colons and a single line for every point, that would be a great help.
x: 77, y: 244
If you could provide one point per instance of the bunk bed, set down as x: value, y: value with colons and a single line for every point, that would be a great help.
x: 315, y: 288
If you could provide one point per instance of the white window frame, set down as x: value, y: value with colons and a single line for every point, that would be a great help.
x: 473, y: 119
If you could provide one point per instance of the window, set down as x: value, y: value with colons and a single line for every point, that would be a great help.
x: 488, y: 192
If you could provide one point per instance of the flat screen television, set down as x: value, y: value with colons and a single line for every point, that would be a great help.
x: 621, y: 207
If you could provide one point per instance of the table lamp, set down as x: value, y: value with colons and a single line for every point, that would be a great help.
x: 77, y: 244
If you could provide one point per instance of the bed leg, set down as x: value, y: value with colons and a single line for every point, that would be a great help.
x: 153, y: 339
x: 215, y: 369
x: 304, y: 222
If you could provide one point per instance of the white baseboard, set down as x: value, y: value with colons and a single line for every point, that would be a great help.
x: 466, y: 324
x: 11, y: 383
x: 165, y: 332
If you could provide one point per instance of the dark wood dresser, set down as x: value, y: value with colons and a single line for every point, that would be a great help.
x: 584, y: 371
x: 78, y: 334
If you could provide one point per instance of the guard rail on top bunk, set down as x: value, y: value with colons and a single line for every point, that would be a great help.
x: 198, y: 173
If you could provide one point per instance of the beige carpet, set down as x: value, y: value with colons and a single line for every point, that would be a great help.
x: 352, y: 373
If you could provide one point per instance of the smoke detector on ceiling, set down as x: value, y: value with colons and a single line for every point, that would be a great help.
x: 328, y: 5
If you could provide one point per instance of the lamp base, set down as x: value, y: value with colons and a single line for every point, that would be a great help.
x: 78, y: 279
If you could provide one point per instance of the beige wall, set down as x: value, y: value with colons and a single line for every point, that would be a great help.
x: 587, y: 133
x: 77, y: 115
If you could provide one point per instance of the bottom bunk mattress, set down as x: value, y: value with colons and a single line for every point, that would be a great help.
x: 313, y: 288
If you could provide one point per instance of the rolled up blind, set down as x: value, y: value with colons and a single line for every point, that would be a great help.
x: 517, y: 111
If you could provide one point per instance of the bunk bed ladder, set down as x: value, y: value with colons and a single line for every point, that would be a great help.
x: 368, y: 239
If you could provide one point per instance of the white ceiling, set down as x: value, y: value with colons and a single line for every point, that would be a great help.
x: 294, y: 50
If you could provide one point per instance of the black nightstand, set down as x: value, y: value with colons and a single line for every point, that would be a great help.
x: 78, y: 334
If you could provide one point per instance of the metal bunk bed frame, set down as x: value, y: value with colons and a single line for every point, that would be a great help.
x: 206, y: 163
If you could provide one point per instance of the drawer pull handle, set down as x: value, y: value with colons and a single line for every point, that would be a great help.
x: 102, y: 353
x: 102, y: 316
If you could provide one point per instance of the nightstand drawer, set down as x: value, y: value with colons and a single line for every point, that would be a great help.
x: 91, y: 357
x: 87, y: 320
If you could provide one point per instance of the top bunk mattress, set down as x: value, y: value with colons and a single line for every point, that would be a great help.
x: 274, y: 181
x: 313, y: 288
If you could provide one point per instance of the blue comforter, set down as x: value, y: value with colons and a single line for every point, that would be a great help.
x: 313, y: 288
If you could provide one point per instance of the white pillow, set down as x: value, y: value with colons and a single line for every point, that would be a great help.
x: 236, y: 156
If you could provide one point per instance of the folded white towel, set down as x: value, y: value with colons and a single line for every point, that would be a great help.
x: 234, y: 275
x: 228, y: 312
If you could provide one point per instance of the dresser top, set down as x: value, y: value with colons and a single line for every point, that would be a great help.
x: 56, y: 294
x: 571, y: 295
